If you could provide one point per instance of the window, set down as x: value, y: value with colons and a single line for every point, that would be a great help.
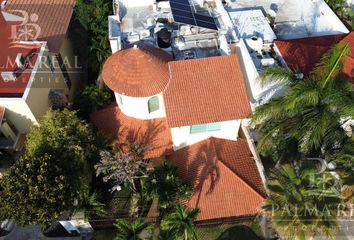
x: 153, y: 104
x: 214, y: 126
x: 210, y: 127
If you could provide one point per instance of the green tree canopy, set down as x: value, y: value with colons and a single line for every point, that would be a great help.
x: 45, y: 183
x: 303, y: 201
x: 180, y: 223
x: 132, y: 230
x: 92, y: 16
x: 164, y: 184
x: 310, y: 116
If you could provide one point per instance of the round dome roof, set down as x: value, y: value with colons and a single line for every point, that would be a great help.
x: 138, y: 71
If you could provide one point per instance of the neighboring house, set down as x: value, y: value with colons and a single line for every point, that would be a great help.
x: 31, y: 81
x: 302, y: 55
x: 51, y: 19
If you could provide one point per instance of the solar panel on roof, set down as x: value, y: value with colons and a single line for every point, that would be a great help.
x: 189, y: 21
x: 207, y: 25
x: 179, y: 6
x: 205, y: 21
x: 182, y: 12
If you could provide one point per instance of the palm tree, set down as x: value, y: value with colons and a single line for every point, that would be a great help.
x: 89, y: 205
x: 180, y: 223
x: 132, y: 230
x: 303, y: 202
x: 344, y: 11
x: 164, y: 184
x: 313, y: 109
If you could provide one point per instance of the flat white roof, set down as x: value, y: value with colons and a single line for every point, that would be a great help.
x: 248, y: 23
x: 297, y: 19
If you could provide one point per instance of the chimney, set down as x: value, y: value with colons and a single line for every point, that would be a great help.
x: 19, y: 61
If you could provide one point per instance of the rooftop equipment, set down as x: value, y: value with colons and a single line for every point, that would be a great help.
x: 164, y: 38
x: 183, y: 13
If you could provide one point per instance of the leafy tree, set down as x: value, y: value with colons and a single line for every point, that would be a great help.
x: 303, y: 202
x: 92, y: 99
x: 123, y: 165
x: 180, y: 223
x: 133, y: 230
x: 319, y: 103
x: 44, y: 184
x: 89, y: 205
x: 164, y: 184
x: 92, y: 15
x: 344, y: 11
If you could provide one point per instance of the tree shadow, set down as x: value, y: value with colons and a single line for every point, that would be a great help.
x: 198, y: 164
x: 241, y: 231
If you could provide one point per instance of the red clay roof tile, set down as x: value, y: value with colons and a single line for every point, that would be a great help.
x: 155, y: 133
x: 303, y: 54
x: 138, y: 71
x: 206, y: 90
x: 9, y: 48
x: 53, y: 19
x: 225, y: 179
x: 348, y: 67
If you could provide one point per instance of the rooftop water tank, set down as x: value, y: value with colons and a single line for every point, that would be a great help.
x: 164, y: 38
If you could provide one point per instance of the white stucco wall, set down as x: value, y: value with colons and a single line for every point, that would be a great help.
x: 181, y: 136
x: 19, y: 114
x: 25, y: 112
x: 138, y: 107
x: 258, y: 94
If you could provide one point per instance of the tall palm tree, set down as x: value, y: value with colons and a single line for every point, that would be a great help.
x: 180, y: 223
x: 303, y: 202
x: 312, y: 110
x: 132, y: 230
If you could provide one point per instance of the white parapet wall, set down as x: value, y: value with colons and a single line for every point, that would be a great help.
x: 136, y: 3
x: 19, y: 114
x: 258, y: 94
x: 114, y: 33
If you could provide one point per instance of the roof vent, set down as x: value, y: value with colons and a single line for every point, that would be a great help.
x: 8, y: 76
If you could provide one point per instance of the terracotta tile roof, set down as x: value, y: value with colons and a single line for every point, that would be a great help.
x: 206, y: 90
x: 138, y: 71
x: 303, y: 54
x: 225, y: 179
x: 9, y: 48
x: 155, y: 133
x: 348, y: 68
x: 53, y: 18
